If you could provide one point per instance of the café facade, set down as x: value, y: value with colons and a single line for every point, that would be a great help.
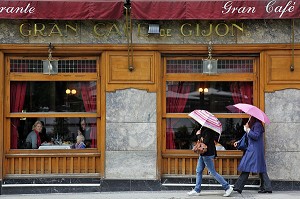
x: 133, y: 71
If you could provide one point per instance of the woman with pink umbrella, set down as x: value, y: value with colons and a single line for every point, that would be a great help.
x: 253, y: 160
x: 210, y: 126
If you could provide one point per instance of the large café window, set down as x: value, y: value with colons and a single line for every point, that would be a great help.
x: 63, y: 104
x: 187, y: 89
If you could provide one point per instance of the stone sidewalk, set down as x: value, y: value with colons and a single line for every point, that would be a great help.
x: 157, y: 195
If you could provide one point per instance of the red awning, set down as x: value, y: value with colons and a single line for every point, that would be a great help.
x: 214, y: 9
x: 62, y: 9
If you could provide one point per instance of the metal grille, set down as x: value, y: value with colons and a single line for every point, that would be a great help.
x: 64, y: 66
x: 196, y: 66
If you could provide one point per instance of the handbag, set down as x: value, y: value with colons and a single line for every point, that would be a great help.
x: 243, y: 143
x: 200, y: 147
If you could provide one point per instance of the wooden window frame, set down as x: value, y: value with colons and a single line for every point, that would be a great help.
x: 252, y: 77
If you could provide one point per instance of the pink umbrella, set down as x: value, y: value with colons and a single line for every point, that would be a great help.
x: 207, y: 119
x: 251, y: 110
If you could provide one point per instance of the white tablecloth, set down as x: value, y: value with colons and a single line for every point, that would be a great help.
x: 55, y: 147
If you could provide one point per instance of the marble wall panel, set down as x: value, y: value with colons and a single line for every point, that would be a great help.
x: 130, y: 105
x: 130, y: 136
x: 10, y: 32
x: 283, y: 165
x: 130, y: 165
x: 282, y: 137
x: 283, y: 106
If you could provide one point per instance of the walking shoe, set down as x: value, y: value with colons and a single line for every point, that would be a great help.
x: 193, y: 193
x: 228, y: 191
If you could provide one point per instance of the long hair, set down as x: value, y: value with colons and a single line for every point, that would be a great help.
x: 252, y: 121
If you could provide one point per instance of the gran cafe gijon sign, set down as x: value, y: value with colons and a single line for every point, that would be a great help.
x: 108, y: 29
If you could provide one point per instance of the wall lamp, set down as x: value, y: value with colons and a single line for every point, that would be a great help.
x: 50, y: 66
x: 153, y: 29
x: 210, y: 65
x: 71, y: 92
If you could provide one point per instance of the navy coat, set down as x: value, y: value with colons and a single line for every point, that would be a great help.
x: 254, y: 159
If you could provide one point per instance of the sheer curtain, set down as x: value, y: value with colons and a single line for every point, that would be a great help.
x: 88, y: 92
x: 17, y: 98
x: 177, y: 97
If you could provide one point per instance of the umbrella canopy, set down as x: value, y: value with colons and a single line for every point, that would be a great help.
x: 207, y: 119
x: 251, y: 110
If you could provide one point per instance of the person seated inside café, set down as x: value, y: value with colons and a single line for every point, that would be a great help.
x: 33, y: 139
x: 80, y: 142
x: 85, y: 130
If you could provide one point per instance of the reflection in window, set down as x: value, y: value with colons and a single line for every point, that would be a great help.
x: 181, y: 133
x: 55, y: 132
x: 184, y: 97
x: 53, y: 96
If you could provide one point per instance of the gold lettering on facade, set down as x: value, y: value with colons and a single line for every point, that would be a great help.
x: 142, y: 27
x: 97, y: 29
x: 209, y: 32
x: 24, y: 27
x: 240, y: 28
x: 187, y: 33
x: 109, y: 29
x: 114, y: 29
x: 55, y: 30
x: 74, y: 29
x: 221, y: 27
x: 39, y: 28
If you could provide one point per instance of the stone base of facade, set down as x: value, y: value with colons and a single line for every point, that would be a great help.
x: 77, y: 185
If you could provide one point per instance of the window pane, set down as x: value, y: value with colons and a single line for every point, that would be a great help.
x: 184, y: 97
x: 64, y: 66
x: 53, y: 96
x: 181, y: 132
x: 56, y: 132
x: 196, y: 66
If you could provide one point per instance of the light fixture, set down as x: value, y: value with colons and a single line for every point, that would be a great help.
x: 153, y: 29
x: 210, y: 65
x: 68, y: 91
x: 50, y: 66
x: 71, y: 92
x: 205, y: 90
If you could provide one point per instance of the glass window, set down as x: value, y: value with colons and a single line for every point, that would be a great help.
x: 181, y: 132
x: 184, y: 97
x: 53, y: 96
x: 187, y: 88
x: 53, y: 111
x: 53, y: 133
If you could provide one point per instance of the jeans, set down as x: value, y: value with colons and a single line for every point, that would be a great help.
x: 208, y: 161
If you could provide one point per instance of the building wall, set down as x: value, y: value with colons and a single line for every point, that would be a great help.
x: 131, y: 148
x: 282, y: 135
x: 131, y: 139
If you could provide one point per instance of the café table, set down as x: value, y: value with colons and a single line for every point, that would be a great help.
x: 63, y: 146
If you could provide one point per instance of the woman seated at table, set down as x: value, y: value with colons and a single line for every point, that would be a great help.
x: 85, y: 130
x: 80, y: 142
x: 33, y: 140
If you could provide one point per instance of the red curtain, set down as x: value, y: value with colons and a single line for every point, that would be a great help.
x: 177, y: 97
x: 88, y: 93
x: 242, y: 92
x: 17, y: 98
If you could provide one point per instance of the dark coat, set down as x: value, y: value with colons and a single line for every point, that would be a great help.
x: 208, y: 139
x: 254, y: 159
